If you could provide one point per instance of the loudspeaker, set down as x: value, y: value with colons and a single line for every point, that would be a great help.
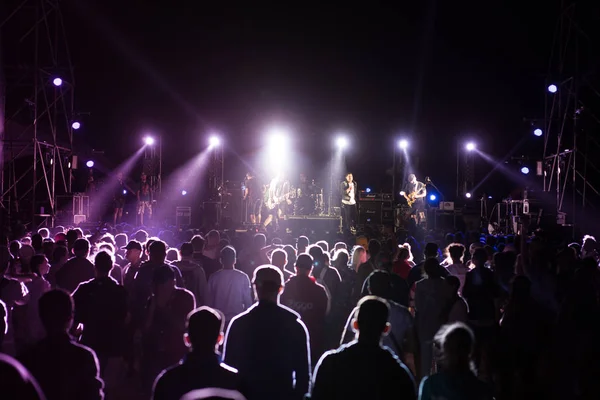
x: 183, y: 216
x: 317, y: 224
x: 369, y: 213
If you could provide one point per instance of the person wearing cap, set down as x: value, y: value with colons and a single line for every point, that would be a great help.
x: 364, y: 369
x: 164, y: 324
x: 78, y: 269
x: 269, y: 344
x: 309, y: 299
x: 133, y: 254
x: 201, y: 374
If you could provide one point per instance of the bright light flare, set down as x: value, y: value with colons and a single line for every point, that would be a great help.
x: 89, y: 164
x: 525, y: 170
x: 537, y: 132
x: 341, y: 142
x: 403, y: 144
x: 57, y: 82
x: 432, y: 197
x: 214, y: 141
x: 552, y: 88
x: 470, y: 146
x: 368, y: 190
x: 468, y: 195
x: 184, y: 192
x: 149, y: 140
x: 76, y: 125
x: 124, y: 191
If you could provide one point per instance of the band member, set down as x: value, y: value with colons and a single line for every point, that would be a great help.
x: 119, y: 199
x: 414, y: 192
x: 279, y: 199
x: 144, y: 198
x: 253, y: 196
x: 349, y: 188
x: 304, y: 202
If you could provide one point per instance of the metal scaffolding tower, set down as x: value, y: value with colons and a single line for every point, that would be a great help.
x: 37, y: 92
x: 571, y: 166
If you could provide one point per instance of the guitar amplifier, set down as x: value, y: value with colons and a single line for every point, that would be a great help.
x: 369, y: 212
x: 447, y: 205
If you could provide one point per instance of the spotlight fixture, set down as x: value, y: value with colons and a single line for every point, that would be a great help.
x: 76, y: 125
x: 368, y: 190
x: 214, y: 141
x: 537, y: 132
x: 341, y: 142
x: 432, y: 197
x: 470, y: 146
x: 525, y: 170
x: 149, y: 140
x: 552, y: 88
x: 403, y: 144
x: 57, y: 82
x: 468, y: 195
x: 89, y: 164
x: 184, y: 192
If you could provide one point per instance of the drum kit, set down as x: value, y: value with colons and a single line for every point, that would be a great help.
x: 307, y: 199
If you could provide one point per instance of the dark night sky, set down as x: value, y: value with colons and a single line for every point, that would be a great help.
x: 436, y: 71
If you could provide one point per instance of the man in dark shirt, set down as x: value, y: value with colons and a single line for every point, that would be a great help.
x: 269, y: 343
x: 78, y: 269
x: 416, y: 191
x: 133, y: 254
x: 417, y: 273
x: 64, y: 369
x: 101, y: 306
x: 378, y: 373
x: 201, y: 367
x: 480, y: 290
x: 253, y: 196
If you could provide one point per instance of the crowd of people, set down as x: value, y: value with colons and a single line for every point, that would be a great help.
x: 124, y: 313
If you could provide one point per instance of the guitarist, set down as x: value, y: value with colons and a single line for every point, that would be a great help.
x: 349, y: 189
x: 278, y: 199
x: 415, y: 192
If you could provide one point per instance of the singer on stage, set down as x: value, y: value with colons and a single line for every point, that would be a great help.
x: 349, y: 189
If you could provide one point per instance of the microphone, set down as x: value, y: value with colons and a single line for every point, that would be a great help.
x: 427, y: 179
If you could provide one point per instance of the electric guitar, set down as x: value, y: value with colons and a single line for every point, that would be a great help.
x: 276, y: 200
x: 411, y: 197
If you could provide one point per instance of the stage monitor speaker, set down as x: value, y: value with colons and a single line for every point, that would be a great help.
x: 369, y: 213
x: 183, y: 216
x: 298, y: 224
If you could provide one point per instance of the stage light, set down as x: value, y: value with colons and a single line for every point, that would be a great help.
x: 468, y: 195
x: 490, y: 197
x: 552, y: 88
x: 432, y: 197
x: 89, y: 164
x: 124, y: 191
x: 470, y: 146
x: 403, y: 144
x: 214, y: 141
x: 184, y: 192
x: 525, y: 170
x: 341, y: 142
x: 149, y: 140
x: 57, y: 82
x: 76, y: 125
x: 537, y: 132
x: 368, y: 190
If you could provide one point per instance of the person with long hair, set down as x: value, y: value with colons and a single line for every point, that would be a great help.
x: 456, y: 377
x: 359, y: 256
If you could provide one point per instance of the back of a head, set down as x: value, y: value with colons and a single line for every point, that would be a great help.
x: 279, y: 258
x: 403, y: 253
x: 304, y: 262
x: 56, y: 311
x: 72, y: 236
x: 81, y: 247
x: 480, y: 256
x: 454, y: 343
x: 198, y: 243
x: 316, y: 252
x: 374, y: 247
x: 186, y: 250
x: 204, y: 325
x: 323, y: 245
x: 341, y: 258
x: 259, y: 241
x: 379, y: 284
x: 16, y: 382
x: 228, y: 255
x: 267, y: 280
x: 431, y: 250
x: 303, y: 242
x: 103, y: 262
x: 372, y: 317
x: 213, y: 237
x: 158, y: 250
x: 59, y: 253
x: 44, y: 233
x: 453, y: 282
x: 121, y: 240
x: 432, y: 268
x: 383, y: 261
x: 456, y: 251
x: 141, y: 236
x: 36, y: 241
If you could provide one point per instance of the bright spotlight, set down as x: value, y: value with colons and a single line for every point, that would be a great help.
x: 341, y: 142
x: 214, y: 141
x: 184, y: 192
x: 368, y: 190
x: 57, y: 82
x: 89, y: 164
x: 525, y: 170
x: 537, y: 132
x: 552, y: 89
x: 403, y: 144
x: 124, y: 191
x: 76, y: 125
x: 149, y: 140
x: 470, y: 146
x: 432, y: 197
x: 468, y: 195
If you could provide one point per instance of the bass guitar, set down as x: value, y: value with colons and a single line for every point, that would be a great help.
x: 410, y: 197
x: 276, y: 200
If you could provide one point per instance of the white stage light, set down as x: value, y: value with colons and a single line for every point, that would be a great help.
x: 468, y: 195
x: 149, y: 140
x: 403, y: 144
x: 470, y: 146
x: 341, y: 142
x: 538, y: 132
x: 552, y: 88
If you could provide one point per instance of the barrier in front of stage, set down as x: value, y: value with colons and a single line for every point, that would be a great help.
x: 314, y: 223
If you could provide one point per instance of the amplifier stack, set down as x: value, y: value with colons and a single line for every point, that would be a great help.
x: 375, y: 208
